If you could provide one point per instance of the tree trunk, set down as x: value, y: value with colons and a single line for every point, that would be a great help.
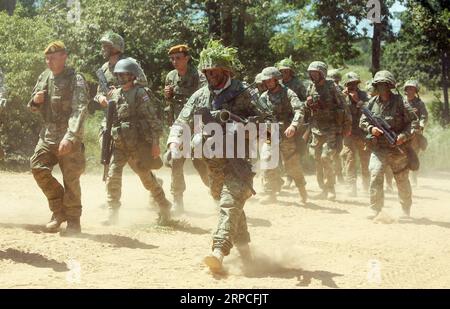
x: 213, y: 13
x: 227, y: 22
x: 376, y: 47
x: 240, y: 27
x: 445, y: 68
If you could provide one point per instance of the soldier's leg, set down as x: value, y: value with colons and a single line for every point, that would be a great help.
x: 291, y: 159
x: 399, y: 166
x: 114, y: 185
x: 416, y: 148
x: 140, y: 164
x: 389, y: 176
x: 231, y: 225
x: 42, y: 163
x: 202, y: 169
x: 72, y: 166
x: 349, y: 157
x: 364, y: 156
x: 178, y: 185
x: 272, y: 184
x: 328, y: 153
x: 316, y: 152
x: 377, y: 166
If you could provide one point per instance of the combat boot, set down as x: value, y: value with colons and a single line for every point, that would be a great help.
x: 331, y: 194
x: 214, y: 261
x: 112, y: 217
x: 164, y: 218
x: 303, y: 194
x: 73, y: 226
x: 55, y: 222
x: 178, y: 204
x: 406, y: 214
x: 352, y: 191
x: 322, y: 195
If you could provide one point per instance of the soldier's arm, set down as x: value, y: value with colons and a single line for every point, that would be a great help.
x: 40, y: 85
x: 423, y: 114
x: 364, y: 124
x: 301, y: 91
x: 296, y: 105
x: 185, y: 120
x: 410, y: 119
x: 80, y: 102
x: 146, y: 109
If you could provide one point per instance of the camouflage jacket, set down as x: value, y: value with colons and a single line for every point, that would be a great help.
x: 205, y: 97
x: 395, y: 112
x: 184, y: 86
x: 421, y: 111
x: 332, y: 115
x: 112, y: 80
x: 296, y: 85
x: 65, y: 106
x: 355, y: 110
x: 135, y: 120
x: 283, y: 106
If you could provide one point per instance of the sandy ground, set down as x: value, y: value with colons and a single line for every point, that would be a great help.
x: 321, y: 245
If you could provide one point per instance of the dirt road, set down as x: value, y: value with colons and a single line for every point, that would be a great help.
x: 323, y: 245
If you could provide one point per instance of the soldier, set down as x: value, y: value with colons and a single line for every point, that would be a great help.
x: 60, y: 96
x: 356, y: 142
x: 290, y: 80
x: 136, y: 130
x: 336, y: 76
x: 285, y: 109
x: 180, y: 84
x: 329, y: 121
x: 228, y: 186
x: 113, y: 47
x: 419, y: 141
x: 259, y: 83
x: 399, y: 116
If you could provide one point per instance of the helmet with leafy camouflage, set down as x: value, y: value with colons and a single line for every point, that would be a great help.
x: 334, y: 74
x: 286, y: 64
x: 114, y: 39
x: 412, y: 83
x: 271, y: 72
x: 215, y: 55
x: 319, y: 66
x: 351, y: 77
x: 127, y: 66
x: 384, y: 77
x: 258, y: 78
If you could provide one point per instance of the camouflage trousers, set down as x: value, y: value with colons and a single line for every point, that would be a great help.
x: 65, y: 198
x: 323, y: 149
x: 178, y: 185
x: 380, y: 159
x: 415, y: 145
x: 337, y: 158
x: 231, y: 192
x: 140, y: 162
x: 353, y: 146
x: 292, y: 166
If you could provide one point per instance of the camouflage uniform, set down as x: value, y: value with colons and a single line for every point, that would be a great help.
x: 356, y: 142
x: 330, y: 119
x: 285, y: 109
x: 135, y: 129
x: 230, y: 190
x: 419, y: 141
x: 183, y: 87
x: 64, y: 112
x: 399, y: 116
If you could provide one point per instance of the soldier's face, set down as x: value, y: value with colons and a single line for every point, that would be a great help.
x: 108, y: 50
x: 216, y: 77
x: 287, y: 75
x: 410, y: 92
x: 353, y: 86
x: 124, y: 78
x: 315, y: 76
x: 56, y: 62
x: 271, y: 84
x: 179, y: 60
